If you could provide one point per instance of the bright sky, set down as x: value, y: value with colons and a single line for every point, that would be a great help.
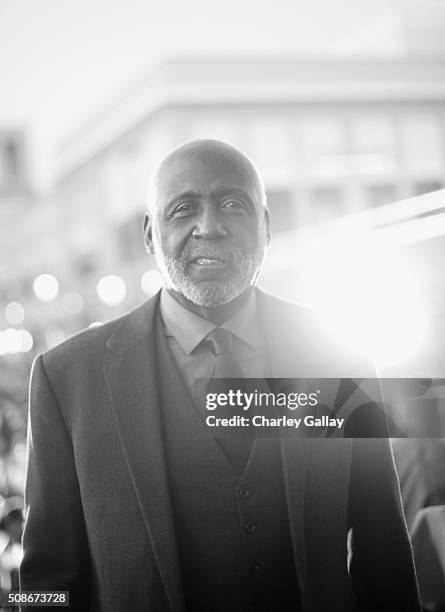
x: 62, y: 60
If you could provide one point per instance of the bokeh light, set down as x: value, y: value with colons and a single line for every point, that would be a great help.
x: 151, y: 282
x: 14, y: 341
x: 14, y: 313
x: 46, y: 287
x: 111, y: 290
x: 26, y: 340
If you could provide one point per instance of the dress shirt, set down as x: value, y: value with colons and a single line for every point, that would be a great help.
x: 195, y: 360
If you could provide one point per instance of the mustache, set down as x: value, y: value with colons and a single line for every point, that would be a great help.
x: 212, y: 251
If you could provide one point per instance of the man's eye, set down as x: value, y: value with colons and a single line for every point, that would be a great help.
x: 233, y: 204
x: 183, y: 209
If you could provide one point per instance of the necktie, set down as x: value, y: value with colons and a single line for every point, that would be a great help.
x: 227, y: 368
x: 226, y: 364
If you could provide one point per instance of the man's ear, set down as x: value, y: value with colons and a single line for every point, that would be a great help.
x: 148, y: 231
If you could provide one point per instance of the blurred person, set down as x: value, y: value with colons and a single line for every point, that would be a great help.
x: 428, y: 539
x: 134, y: 504
x: 11, y: 525
x: 420, y: 466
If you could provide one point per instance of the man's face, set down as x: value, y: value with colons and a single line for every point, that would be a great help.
x: 208, y: 227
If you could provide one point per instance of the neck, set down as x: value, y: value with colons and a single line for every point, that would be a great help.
x: 216, y: 314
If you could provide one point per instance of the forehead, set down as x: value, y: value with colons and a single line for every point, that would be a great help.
x: 206, y: 173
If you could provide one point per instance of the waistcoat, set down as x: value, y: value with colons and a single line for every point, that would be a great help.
x: 232, y: 528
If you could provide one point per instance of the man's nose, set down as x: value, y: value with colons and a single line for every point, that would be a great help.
x: 210, y: 225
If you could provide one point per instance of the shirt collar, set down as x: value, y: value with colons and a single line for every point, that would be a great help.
x: 190, y: 329
x: 245, y: 323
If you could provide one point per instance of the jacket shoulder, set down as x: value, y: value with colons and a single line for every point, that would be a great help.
x: 299, y: 335
x: 89, y: 346
x: 282, y: 306
x: 286, y: 315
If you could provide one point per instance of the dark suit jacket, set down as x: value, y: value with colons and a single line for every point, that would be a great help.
x: 99, y: 516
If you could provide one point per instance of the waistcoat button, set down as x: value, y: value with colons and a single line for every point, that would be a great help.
x: 249, y: 526
x: 245, y: 492
x: 254, y: 566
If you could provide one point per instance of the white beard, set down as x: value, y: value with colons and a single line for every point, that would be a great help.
x: 210, y: 293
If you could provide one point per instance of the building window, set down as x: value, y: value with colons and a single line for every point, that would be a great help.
x: 422, y: 146
x: 326, y: 203
x: 373, y: 145
x: 12, y: 170
x: 324, y: 145
x: 380, y: 194
x: 423, y: 187
x: 11, y: 158
x: 281, y: 213
x: 272, y: 148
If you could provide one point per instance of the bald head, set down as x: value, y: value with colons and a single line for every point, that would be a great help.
x: 205, y: 154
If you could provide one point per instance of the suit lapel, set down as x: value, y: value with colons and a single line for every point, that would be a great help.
x: 295, y: 457
x: 131, y: 378
x: 316, y: 471
x: 282, y: 351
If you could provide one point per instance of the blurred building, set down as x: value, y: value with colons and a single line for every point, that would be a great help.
x: 422, y: 27
x: 331, y: 139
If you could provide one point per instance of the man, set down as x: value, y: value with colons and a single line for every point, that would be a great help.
x: 420, y: 464
x: 135, y: 505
